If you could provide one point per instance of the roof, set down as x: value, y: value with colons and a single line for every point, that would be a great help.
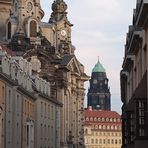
x: 101, y: 113
x: 98, y: 67
x: 102, y: 117
x: 66, y: 59
x: 8, y: 51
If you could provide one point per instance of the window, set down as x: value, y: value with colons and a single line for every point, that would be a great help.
x: 108, y: 141
x: 116, y: 141
x: 9, y: 101
x: 3, y: 93
x: 9, y: 31
x: 17, y: 106
x: 86, y: 131
x: 92, y: 141
x: 27, y: 135
x: 112, y: 141
x: 33, y: 28
x: 87, y: 119
x: 41, y: 109
x: 1, y: 125
x: 130, y: 126
x: 99, y: 119
x: 141, y: 108
x: 30, y: 133
x: 100, y: 141
x: 41, y: 131
x: 45, y: 110
x: 119, y: 141
x: 104, y: 141
x: 96, y: 141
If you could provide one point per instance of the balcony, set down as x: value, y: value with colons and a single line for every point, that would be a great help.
x: 141, y: 17
x: 134, y: 40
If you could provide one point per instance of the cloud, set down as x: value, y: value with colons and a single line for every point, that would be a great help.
x: 99, y: 30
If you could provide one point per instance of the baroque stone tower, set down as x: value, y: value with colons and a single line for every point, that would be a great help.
x: 99, y: 93
x: 23, y: 25
x: 48, y: 45
x: 62, y: 28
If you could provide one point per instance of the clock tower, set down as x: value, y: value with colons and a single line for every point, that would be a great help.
x: 99, y: 93
x: 62, y: 28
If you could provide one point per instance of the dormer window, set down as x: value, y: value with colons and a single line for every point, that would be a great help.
x: 91, y: 119
x: 95, y: 119
x: 87, y: 119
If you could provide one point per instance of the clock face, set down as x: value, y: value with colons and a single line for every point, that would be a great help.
x: 29, y: 6
x: 95, y: 81
x: 63, y: 33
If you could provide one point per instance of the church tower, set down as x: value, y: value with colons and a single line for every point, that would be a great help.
x: 23, y: 25
x: 99, y: 93
x: 62, y: 28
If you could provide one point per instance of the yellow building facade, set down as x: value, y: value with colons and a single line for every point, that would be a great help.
x: 102, y: 129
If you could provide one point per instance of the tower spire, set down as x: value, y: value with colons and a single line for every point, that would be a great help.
x: 98, y: 59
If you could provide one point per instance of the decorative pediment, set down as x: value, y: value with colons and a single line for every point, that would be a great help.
x: 71, y: 63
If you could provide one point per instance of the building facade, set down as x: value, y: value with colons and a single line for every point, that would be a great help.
x: 134, y: 81
x: 21, y: 93
x: 99, y: 93
x: 48, y: 46
x: 102, y: 129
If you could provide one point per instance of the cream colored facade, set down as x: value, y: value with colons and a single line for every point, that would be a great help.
x: 20, y: 100
x: 47, y: 123
x: 102, y: 130
x: 102, y: 139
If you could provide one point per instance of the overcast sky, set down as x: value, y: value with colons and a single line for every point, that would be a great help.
x: 100, y: 28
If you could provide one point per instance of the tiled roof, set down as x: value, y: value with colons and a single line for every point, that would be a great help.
x: 9, y: 51
x: 102, y: 117
x: 101, y: 113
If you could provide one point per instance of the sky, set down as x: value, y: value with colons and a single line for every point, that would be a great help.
x: 100, y: 28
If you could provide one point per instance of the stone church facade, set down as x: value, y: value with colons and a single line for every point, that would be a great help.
x: 49, y: 47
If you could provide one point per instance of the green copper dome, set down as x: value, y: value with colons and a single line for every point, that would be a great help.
x: 98, y: 68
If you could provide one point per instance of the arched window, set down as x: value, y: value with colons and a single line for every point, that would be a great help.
x: 9, y: 30
x: 33, y: 28
x: 86, y: 131
x: 95, y: 119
